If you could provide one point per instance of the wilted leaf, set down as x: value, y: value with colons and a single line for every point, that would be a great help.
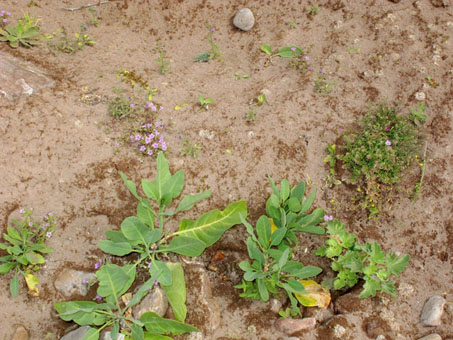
x: 317, y: 295
x: 32, y: 284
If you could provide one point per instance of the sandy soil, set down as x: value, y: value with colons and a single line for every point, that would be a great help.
x: 58, y: 150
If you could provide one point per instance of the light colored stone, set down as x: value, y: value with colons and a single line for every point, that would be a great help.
x: 320, y: 314
x: 275, y: 305
x: 294, y: 326
x: 291, y: 338
x: 244, y: 19
x: 420, y: 96
x: 76, y: 334
x: 19, y: 78
x: 431, y: 337
x: 107, y: 336
x: 21, y: 334
x: 432, y: 311
x: 381, y: 337
x: 156, y: 302
x: 71, y: 282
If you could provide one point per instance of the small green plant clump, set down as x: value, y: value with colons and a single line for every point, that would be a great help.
x: 162, y: 60
x: 313, y: 10
x: 95, y: 18
x: 25, y: 32
x: 322, y: 85
x: 189, y: 148
x: 353, y: 261
x: 299, y: 58
x: 271, y: 249
x: 148, y: 237
x: 214, y: 53
x: 250, y: 116
x: 61, y: 42
x: 204, y: 102
x: 25, y: 247
x: 378, y: 153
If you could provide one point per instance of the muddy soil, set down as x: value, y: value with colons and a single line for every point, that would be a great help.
x: 59, y: 154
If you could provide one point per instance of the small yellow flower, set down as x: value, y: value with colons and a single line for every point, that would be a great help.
x: 416, y: 156
x: 228, y: 151
x: 358, y: 189
x: 332, y: 201
x: 421, y: 164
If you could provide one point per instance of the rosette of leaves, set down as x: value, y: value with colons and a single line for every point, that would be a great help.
x: 354, y: 261
x: 146, y: 235
x: 25, y: 33
x: 25, y: 248
x: 272, y: 267
x: 288, y: 210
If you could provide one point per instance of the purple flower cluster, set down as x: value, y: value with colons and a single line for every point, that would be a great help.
x: 3, y: 16
x: 148, y: 139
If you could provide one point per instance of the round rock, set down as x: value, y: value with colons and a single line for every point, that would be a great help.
x: 76, y: 334
x: 432, y: 311
x: 244, y: 19
x: 156, y: 302
x: 294, y: 326
x: 431, y: 337
x: 20, y: 334
x: 71, y: 282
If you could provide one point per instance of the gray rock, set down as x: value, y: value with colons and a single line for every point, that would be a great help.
x: 18, y: 78
x: 431, y: 337
x: 71, y: 282
x: 275, y: 305
x: 293, y: 326
x: 76, y: 334
x: 291, y: 338
x: 106, y: 336
x: 320, y: 314
x: 432, y: 311
x: 244, y: 19
x: 20, y: 333
x: 156, y: 302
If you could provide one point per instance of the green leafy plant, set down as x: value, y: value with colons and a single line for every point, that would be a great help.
x: 146, y: 236
x: 250, y: 116
x: 417, y: 116
x: 354, y: 261
x: 377, y: 154
x: 120, y: 107
x: 270, y: 249
x: 162, y: 60
x: 25, y: 247
x: 204, y: 102
x: 261, y: 100
x: 313, y: 10
x: 214, y: 53
x: 331, y: 160
x: 189, y: 148
x: 299, y: 58
x: 322, y: 85
x: 238, y: 76
x: 26, y: 32
x: 95, y: 19
x: 61, y: 42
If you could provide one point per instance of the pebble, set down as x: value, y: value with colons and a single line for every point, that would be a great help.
x: 291, y: 338
x: 76, y: 334
x: 320, y: 314
x: 431, y: 337
x: 275, y: 305
x: 420, y: 96
x: 106, y: 336
x: 244, y: 19
x: 293, y: 326
x: 206, y: 134
x: 432, y: 311
x: 71, y: 282
x: 20, y: 333
x: 156, y: 302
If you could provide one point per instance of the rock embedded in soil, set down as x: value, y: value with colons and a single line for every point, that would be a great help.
x: 20, y: 334
x: 275, y: 305
x: 432, y: 311
x: 76, y: 334
x: 107, y: 336
x: 156, y: 302
x: 244, y: 19
x: 320, y: 314
x: 294, y: 326
x: 71, y: 282
x: 431, y: 337
x: 439, y: 3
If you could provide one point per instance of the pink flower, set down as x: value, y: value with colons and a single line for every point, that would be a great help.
x: 388, y: 143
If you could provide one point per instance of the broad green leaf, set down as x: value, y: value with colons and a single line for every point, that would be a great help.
x: 266, y: 49
x: 11, y: 240
x: 68, y: 310
x: 163, y: 174
x: 188, y: 201
x: 165, y: 275
x: 254, y: 252
x: 41, y: 248
x: 144, y: 289
x: 146, y: 213
x: 293, y: 286
x: 118, y: 249
x: 14, y: 233
x: 306, y: 272
x: 155, y: 324
x: 130, y: 185
x: 273, y: 186
x: 377, y: 254
x: 263, y: 229
x: 298, y: 191
x: 210, y: 226
x: 115, y: 330
x: 283, y: 258
x: 369, y: 288
x: 92, y: 334
x: 133, y: 229
x: 397, y: 264
x: 277, y: 236
x: 151, y: 189
x: 249, y: 228
x: 4, y: 246
x: 6, y: 267
x: 113, y: 280
x: 115, y: 236
x: 316, y: 295
x: 287, y: 52
x: 151, y: 336
x: 137, y: 332
x: 186, y: 246
x: 175, y: 184
x: 245, y: 266
x: 388, y: 287
x: 176, y: 292
x: 294, y: 204
x: 14, y: 286
x: 250, y: 276
x: 284, y: 189
x: 264, y: 294
x: 308, y: 202
x: 34, y: 258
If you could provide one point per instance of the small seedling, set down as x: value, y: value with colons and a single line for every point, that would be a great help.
x: 204, y: 102
x: 331, y: 160
x: 189, y: 148
x: 61, y: 42
x: 250, y: 116
x: 214, y: 53
x: 313, y: 10
x: 417, y: 115
x: 95, y: 19
x: 162, y: 60
x: 299, y: 58
x: 25, y: 246
x: 261, y: 100
x: 322, y: 85
x: 26, y: 32
x: 432, y: 82
x: 238, y: 76
x: 353, y: 49
x: 121, y: 107
x: 292, y: 24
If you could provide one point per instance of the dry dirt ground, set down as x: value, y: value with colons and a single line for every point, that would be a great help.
x: 58, y: 150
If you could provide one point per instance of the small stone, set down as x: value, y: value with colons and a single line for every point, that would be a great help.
x: 291, y: 338
x: 244, y: 19
x: 275, y: 306
x: 76, y: 334
x: 107, y: 336
x: 420, y: 96
x: 439, y: 3
x: 20, y: 333
x: 320, y: 314
x: 71, y: 282
x: 431, y: 337
x: 432, y: 311
x: 293, y: 326
x: 206, y: 134
x: 156, y: 302
x: 381, y: 337
x: 195, y: 336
